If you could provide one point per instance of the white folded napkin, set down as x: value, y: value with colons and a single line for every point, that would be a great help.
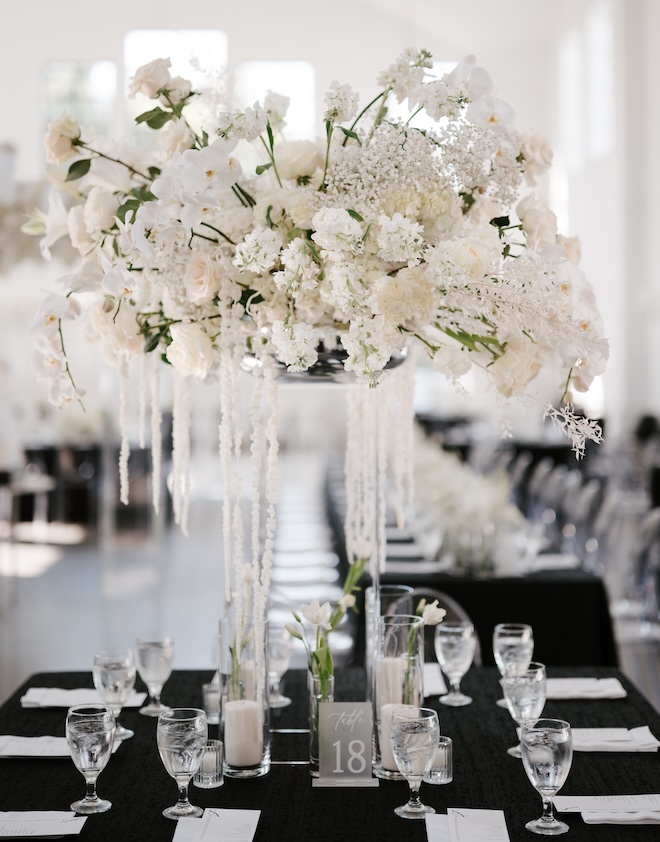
x: 555, y: 561
x: 604, y: 817
x: 53, y: 697
x: 11, y: 746
x: 434, y: 683
x: 614, y: 739
x: 584, y: 688
x: 40, y: 824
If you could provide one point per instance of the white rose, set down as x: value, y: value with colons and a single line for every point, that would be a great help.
x: 476, y: 253
x: 151, y: 78
x: 201, y: 278
x: 538, y: 222
x: 177, y: 137
x: 78, y: 233
x: 178, y: 89
x: 298, y: 158
x: 407, y: 299
x: 99, y: 211
x: 59, y: 138
x: 515, y: 369
x: 537, y: 153
x: 191, y: 351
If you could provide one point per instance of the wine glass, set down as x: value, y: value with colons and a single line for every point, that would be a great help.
x: 279, y: 656
x: 547, y: 753
x: 455, y: 644
x: 90, y: 731
x: 181, y: 734
x: 114, y: 678
x: 154, y: 662
x: 414, y: 734
x: 525, y: 696
x: 513, y: 646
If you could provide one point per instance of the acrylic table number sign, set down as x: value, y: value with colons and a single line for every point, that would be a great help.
x: 345, y: 733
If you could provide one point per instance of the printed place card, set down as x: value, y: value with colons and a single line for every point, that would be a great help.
x: 218, y: 826
x: 40, y: 823
x: 345, y: 730
x: 477, y: 825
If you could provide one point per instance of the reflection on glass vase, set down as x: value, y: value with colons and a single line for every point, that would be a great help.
x: 397, y: 681
x: 320, y: 690
x: 244, y: 711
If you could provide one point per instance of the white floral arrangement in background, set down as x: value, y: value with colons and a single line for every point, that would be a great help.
x: 379, y: 237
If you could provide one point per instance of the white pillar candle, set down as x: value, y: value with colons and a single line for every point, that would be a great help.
x: 386, y: 754
x: 389, y: 681
x: 244, y: 738
x: 247, y: 677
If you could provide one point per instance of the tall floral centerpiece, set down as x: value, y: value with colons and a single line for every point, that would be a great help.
x: 384, y: 236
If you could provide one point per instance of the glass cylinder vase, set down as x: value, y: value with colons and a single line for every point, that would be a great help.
x: 244, y: 711
x: 319, y: 691
x: 397, y: 681
x: 380, y: 601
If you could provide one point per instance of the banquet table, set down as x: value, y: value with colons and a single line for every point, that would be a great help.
x: 484, y: 775
x: 568, y: 610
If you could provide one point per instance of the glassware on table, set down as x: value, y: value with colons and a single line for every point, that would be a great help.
x: 279, y: 657
x: 525, y: 696
x: 442, y: 768
x: 211, y: 702
x: 455, y: 645
x: 154, y: 663
x: 209, y: 775
x: 414, y: 734
x: 90, y: 733
x: 513, y: 647
x: 182, y: 734
x: 547, y: 753
x: 114, y: 679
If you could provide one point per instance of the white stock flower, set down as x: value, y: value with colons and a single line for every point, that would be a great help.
x: 190, y: 351
x: 259, y: 251
x: 405, y: 74
x: 301, y: 271
x: 151, y: 78
x: 298, y: 158
x: 369, y: 348
x: 201, y: 278
x: 242, y: 125
x: 58, y: 139
x: 341, y: 103
x: 348, y: 291
x: 337, y: 230
x: 295, y: 345
x: 316, y: 614
x: 276, y: 107
x: 400, y: 240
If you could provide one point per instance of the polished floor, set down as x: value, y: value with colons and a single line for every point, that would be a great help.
x: 60, y: 602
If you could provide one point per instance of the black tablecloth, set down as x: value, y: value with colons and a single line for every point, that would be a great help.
x: 567, y: 609
x: 484, y: 775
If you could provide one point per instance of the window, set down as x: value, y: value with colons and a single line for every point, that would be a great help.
x: 84, y: 90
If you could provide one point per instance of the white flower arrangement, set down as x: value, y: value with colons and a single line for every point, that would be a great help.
x: 379, y: 237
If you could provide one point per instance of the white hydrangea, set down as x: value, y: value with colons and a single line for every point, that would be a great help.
x: 337, y: 230
x: 259, y: 251
x: 400, y: 240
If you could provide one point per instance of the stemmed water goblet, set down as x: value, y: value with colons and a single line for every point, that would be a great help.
x: 547, y: 753
x: 279, y: 656
x: 513, y: 647
x: 414, y: 735
x: 455, y: 644
x: 181, y: 735
x: 155, y: 654
x: 525, y: 695
x: 90, y: 733
x: 114, y: 679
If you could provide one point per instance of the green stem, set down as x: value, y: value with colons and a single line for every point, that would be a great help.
x: 109, y: 158
x: 271, y: 156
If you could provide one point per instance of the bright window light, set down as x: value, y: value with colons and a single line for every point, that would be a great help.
x: 84, y: 90
x: 571, y: 101
x: 295, y: 79
x: 600, y: 79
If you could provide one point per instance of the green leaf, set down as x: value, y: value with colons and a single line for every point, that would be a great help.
x: 271, y: 139
x: 154, y: 172
x: 152, y: 343
x: 159, y: 120
x: 500, y: 221
x: 129, y: 205
x: 149, y: 115
x: 293, y: 233
x: 262, y: 168
x: 250, y: 296
x: 78, y: 169
x: 354, y: 214
x: 349, y: 133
